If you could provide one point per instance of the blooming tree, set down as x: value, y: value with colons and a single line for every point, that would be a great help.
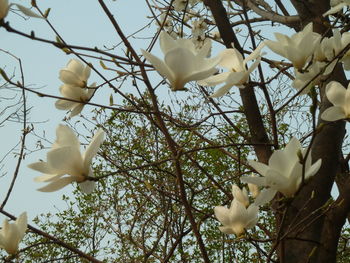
x: 243, y: 94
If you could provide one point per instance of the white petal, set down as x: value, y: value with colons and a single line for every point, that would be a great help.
x: 22, y: 225
x: 57, y: 185
x: 42, y: 167
x: 64, y: 104
x: 261, y: 168
x: 47, y: 177
x: 70, y: 78
x: 27, y: 11
x: 265, y: 196
x: 159, y: 65
x: 199, y: 75
x: 240, y: 195
x: 67, y: 160
x: 166, y: 42
x: 93, y: 147
x: 276, y: 47
x: 215, y: 79
x: 205, y: 50
x: 276, y: 181
x: 77, y: 109
x: 252, y: 216
x: 222, y: 214
x: 333, y: 114
x: 335, y: 9
x: 230, y: 58
x: 181, y: 62
x: 336, y: 93
x: 221, y: 91
x: 65, y: 136
x: 260, y: 181
x: 313, y: 169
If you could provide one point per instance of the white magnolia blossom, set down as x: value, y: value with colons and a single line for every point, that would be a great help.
x: 182, y: 61
x: 237, y: 74
x: 329, y: 47
x: 179, y: 5
x: 284, y: 171
x: 298, y: 48
x: 254, y: 189
x: 75, y: 76
x: 199, y: 27
x: 74, y: 93
x: 166, y: 21
x: 5, y: 6
x: 339, y: 96
x: 240, y: 195
x: 345, y: 41
x: 336, y: 6
x: 236, y: 218
x: 308, y: 75
x: 65, y: 158
x: 12, y: 233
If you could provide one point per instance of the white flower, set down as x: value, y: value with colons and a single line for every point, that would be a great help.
x: 304, y: 77
x: 284, y: 172
x: 336, y: 6
x: 340, y: 98
x: 75, y: 93
x: 254, y: 189
x: 74, y: 77
x: 199, y: 27
x: 182, y: 61
x: 298, y: 48
x: 75, y: 74
x: 65, y: 159
x: 179, y: 5
x: 237, y: 74
x: 12, y: 233
x: 236, y: 218
x: 240, y: 195
x: 345, y: 41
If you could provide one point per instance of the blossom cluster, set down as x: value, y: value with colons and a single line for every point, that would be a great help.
x: 284, y: 173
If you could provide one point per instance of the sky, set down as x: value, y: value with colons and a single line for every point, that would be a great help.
x: 80, y: 22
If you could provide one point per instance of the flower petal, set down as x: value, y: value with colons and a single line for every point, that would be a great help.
x: 261, y: 168
x: 159, y: 65
x: 215, y: 79
x: 265, y: 196
x: 260, y: 181
x: 42, y: 167
x: 222, y: 214
x: 64, y: 104
x: 65, y: 137
x: 67, y: 160
x: 57, y: 185
x: 336, y: 93
x: 333, y: 113
x: 93, y: 147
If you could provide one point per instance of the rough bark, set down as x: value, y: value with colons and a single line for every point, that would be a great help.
x: 316, y: 238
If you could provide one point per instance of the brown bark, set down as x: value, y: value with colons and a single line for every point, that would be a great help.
x: 320, y: 223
